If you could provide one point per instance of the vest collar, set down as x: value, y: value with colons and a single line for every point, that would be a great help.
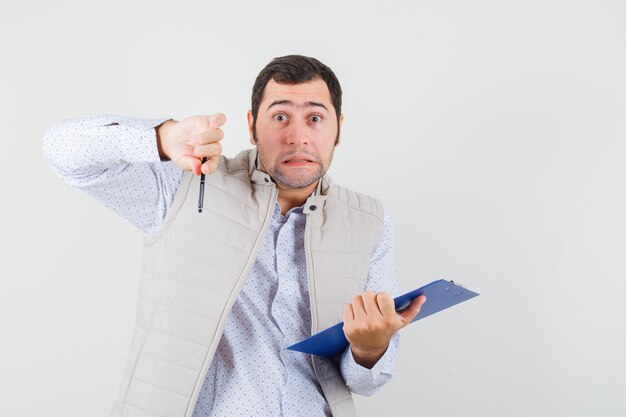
x: 257, y: 176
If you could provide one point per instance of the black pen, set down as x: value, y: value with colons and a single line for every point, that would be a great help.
x: 201, y: 197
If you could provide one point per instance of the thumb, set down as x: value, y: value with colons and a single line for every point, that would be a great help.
x: 190, y: 163
x: 408, y: 314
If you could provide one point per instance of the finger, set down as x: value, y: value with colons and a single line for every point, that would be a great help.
x: 385, y: 304
x: 217, y: 120
x: 208, y: 151
x: 348, y: 313
x: 409, y: 313
x: 206, y: 137
x: 189, y: 163
x: 210, y: 165
x: 358, y: 307
x: 194, y: 124
x: 371, y: 306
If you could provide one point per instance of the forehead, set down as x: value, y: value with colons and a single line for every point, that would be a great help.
x: 314, y: 90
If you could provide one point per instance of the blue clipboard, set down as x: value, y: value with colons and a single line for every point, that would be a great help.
x: 440, y: 295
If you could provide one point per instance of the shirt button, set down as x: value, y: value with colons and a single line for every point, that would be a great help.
x: 313, y: 207
x: 266, y: 180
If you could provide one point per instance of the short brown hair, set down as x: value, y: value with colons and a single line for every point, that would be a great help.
x: 295, y: 69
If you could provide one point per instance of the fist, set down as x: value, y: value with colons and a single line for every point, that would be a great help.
x: 189, y: 141
x: 370, y: 322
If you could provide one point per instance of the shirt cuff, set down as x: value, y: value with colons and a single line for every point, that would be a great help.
x: 139, y: 143
x: 364, y: 381
x: 384, y: 365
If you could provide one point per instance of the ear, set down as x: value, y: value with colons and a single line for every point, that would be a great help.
x: 250, y: 124
x: 340, y: 130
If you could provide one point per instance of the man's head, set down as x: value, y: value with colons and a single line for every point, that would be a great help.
x: 295, y: 119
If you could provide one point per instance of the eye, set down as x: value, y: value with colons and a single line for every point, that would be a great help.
x: 316, y: 118
x: 279, y: 117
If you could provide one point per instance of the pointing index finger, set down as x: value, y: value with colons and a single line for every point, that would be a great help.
x: 217, y: 120
x: 208, y: 136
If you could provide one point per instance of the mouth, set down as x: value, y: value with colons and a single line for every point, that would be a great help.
x: 298, y: 161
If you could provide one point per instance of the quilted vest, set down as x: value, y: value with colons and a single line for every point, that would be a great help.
x: 194, y: 266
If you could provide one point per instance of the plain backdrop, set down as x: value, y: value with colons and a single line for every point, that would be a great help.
x: 493, y: 132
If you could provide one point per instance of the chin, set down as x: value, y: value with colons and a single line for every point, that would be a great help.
x: 294, y: 180
x: 295, y: 183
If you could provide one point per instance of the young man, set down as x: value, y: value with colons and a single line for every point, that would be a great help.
x: 279, y: 253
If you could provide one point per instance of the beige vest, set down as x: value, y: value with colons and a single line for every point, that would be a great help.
x: 194, y: 266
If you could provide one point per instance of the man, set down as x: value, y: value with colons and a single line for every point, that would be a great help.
x: 278, y: 253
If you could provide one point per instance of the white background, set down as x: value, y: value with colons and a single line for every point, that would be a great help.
x: 493, y: 132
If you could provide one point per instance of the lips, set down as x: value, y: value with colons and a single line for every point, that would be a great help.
x: 299, y: 159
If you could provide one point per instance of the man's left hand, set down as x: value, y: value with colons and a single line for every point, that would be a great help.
x: 370, y: 322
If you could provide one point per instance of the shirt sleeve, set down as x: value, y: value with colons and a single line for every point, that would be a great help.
x: 115, y: 160
x: 382, y: 277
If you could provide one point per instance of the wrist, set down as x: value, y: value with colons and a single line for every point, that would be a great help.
x: 367, y: 358
x: 162, y: 138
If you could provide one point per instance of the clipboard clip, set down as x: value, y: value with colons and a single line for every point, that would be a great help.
x: 458, y: 284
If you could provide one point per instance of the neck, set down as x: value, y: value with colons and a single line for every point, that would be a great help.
x: 289, y: 198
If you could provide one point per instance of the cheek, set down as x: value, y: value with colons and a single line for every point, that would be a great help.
x: 327, y: 141
x: 267, y: 151
x: 270, y: 132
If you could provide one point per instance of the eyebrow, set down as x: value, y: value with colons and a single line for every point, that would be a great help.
x: 291, y: 103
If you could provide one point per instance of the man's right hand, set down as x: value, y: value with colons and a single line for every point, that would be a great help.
x: 187, y: 141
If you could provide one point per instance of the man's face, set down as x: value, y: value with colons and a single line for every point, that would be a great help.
x: 296, y: 129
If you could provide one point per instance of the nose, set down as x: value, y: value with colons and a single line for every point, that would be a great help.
x: 298, y: 133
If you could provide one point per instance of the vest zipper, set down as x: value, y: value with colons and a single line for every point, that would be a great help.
x: 313, y: 307
x: 229, y: 304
